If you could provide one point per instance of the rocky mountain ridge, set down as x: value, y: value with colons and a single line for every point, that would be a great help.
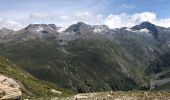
x: 82, y: 28
x: 82, y: 56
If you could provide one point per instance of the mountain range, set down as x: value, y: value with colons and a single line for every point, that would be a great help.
x: 89, y: 58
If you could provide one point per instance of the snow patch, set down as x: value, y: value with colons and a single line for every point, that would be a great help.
x: 128, y: 29
x: 100, y: 29
x: 97, y: 30
x: 145, y: 30
x: 39, y: 29
x: 62, y: 29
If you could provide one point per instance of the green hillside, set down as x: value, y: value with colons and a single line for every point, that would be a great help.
x: 160, y: 64
x: 30, y: 86
x: 84, y: 65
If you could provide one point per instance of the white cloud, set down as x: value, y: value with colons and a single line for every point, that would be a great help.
x: 116, y: 21
x: 163, y: 22
x: 64, y: 17
x: 125, y: 20
x: 42, y: 16
x: 66, y: 20
x: 144, y: 16
x: 88, y: 17
x: 10, y: 24
x: 113, y: 21
x: 127, y: 6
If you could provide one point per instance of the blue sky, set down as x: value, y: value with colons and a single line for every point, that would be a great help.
x: 23, y: 12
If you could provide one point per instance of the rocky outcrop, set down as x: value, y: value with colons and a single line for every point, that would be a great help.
x: 9, y: 88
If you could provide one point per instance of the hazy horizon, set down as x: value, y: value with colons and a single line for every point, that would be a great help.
x: 16, y: 14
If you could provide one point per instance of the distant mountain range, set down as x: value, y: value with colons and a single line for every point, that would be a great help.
x: 88, y: 58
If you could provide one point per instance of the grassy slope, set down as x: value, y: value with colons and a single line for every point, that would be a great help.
x: 31, y: 87
x: 90, y: 65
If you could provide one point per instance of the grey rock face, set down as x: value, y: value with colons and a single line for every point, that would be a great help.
x: 101, y: 29
x: 80, y: 28
x: 4, y: 32
x: 35, y: 31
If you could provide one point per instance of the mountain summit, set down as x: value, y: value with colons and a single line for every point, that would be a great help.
x: 44, y: 26
x: 80, y: 28
x: 147, y: 25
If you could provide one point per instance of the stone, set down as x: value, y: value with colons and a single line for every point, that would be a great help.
x: 55, y: 91
x: 9, y: 88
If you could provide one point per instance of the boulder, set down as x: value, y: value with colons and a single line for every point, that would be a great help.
x: 9, y: 88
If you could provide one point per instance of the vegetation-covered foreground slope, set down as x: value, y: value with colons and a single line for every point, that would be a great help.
x: 84, y: 65
x: 159, y: 70
x: 30, y: 86
x: 160, y: 64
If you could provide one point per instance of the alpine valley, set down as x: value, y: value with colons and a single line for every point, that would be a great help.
x: 84, y: 58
